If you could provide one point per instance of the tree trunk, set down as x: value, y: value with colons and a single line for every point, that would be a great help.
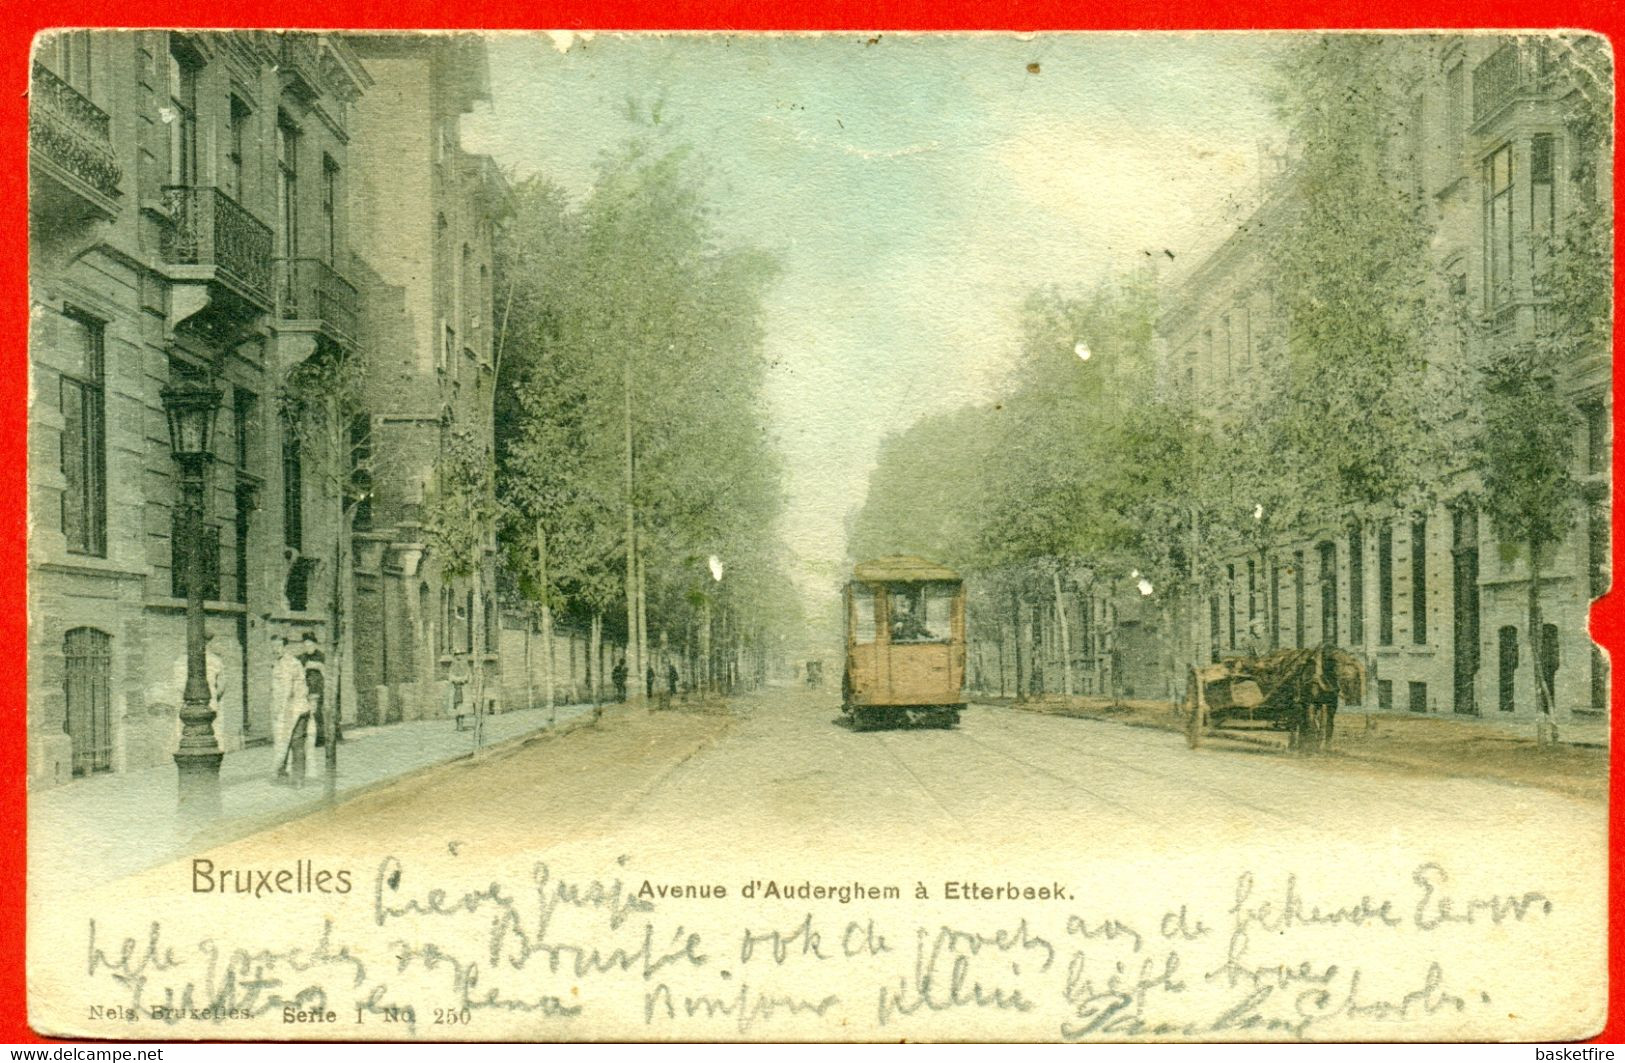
x: 1019, y: 640
x: 595, y: 666
x: 644, y: 662
x: 477, y: 650
x: 547, y: 620
x: 634, y: 666
x: 1065, y: 630
x: 705, y: 644
x: 1545, y: 722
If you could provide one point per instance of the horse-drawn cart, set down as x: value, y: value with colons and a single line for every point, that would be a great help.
x: 1295, y: 691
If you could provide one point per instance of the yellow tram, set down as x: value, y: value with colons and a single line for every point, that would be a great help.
x: 905, y: 644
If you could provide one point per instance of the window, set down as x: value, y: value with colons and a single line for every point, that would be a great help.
x: 863, y: 614
x: 70, y: 52
x: 1356, y: 586
x: 1418, y: 697
x: 84, y: 448
x: 1328, y: 593
x: 1213, y: 632
x: 917, y: 612
x: 235, y: 149
x: 1498, y: 226
x: 1385, y: 695
x: 1455, y: 110
x: 1419, y: 582
x: 1596, y: 421
x: 1252, y: 596
x: 182, y: 117
x: 361, y: 470
x: 244, y: 421
x: 293, y: 490
x: 1230, y: 583
x: 287, y: 187
x: 88, y: 657
x: 1507, y: 668
x: 1385, y: 585
x: 330, y: 210
x: 490, y: 625
x: 443, y: 630
x: 1542, y: 204
x: 1297, y: 597
x: 180, y: 557
x: 465, y: 291
x: 1275, y: 605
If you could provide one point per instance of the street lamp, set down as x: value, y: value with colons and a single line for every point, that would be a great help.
x: 190, y: 408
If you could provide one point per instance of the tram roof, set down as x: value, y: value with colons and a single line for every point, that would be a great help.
x: 902, y: 569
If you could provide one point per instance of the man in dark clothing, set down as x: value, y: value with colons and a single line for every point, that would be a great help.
x: 649, y: 682
x: 618, y: 676
x: 671, y: 678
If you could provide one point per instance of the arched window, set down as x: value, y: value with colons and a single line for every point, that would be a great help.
x: 89, y: 718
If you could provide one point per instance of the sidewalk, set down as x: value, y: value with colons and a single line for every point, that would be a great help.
x: 1471, y: 746
x: 92, y: 830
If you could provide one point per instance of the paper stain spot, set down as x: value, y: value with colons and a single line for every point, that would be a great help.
x: 1033, y: 68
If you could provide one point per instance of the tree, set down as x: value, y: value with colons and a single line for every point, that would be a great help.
x: 638, y: 439
x: 321, y: 410
x: 1530, y: 490
x: 459, y: 522
x: 1525, y: 452
x: 1354, y: 419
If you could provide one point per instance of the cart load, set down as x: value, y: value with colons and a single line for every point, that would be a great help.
x: 1296, y: 691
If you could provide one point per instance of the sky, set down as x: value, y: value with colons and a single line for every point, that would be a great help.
x: 914, y: 190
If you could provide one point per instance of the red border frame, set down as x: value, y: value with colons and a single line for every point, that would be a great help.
x: 1608, y: 620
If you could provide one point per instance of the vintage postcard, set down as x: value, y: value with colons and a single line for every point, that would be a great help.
x: 841, y: 537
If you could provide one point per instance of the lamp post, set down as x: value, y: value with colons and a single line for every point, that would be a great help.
x: 190, y: 408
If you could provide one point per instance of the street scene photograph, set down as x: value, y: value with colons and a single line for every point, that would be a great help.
x: 1080, y: 537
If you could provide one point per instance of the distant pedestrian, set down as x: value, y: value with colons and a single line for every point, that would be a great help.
x: 457, y: 679
x: 618, y: 677
x: 671, y: 678
x: 649, y: 682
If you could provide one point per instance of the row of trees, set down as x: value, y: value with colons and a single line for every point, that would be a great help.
x: 1376, y: 388
x: 636, y: 485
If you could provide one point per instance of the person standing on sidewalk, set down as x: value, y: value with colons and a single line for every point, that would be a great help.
x: 618, y: 676
x: 288, y: 702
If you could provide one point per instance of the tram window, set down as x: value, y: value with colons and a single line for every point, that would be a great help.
x: 863, y: 611
x: 919, y: 613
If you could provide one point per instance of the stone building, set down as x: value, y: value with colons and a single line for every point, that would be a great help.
x: 422, y: 213
x: 249, y: 210
x: 1432, y: 599
x: 183, y: 225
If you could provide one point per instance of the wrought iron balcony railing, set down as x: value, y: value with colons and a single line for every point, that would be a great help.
x: 1516, y: 70
x: 70, y: 131
x: 209, y: 228
x: 314, y: 290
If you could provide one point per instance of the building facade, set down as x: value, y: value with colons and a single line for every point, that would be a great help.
x: 216, y: 207
x: 1433, y: 599
x: 423, y: 212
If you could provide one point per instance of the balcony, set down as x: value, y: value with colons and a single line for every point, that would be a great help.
x: 299, y: 58
x: 207, y: 228
x: 312, y: 290
x: 70, y: 142
x: 1516, y: 70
